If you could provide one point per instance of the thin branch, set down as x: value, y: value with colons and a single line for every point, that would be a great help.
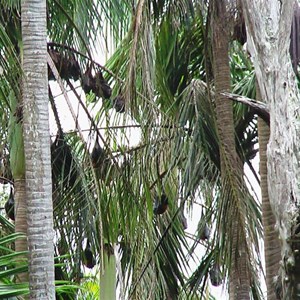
x: 253, y: 171
x: 260, y: 108
x: 198, y: 241
x: 59, y: 80
x: 6, y: 180
x: 55, y: 112
x: 115, y: 127
x: 93, y: 124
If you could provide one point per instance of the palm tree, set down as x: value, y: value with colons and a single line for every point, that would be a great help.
x: 241, y: 272
x: 231, y: 166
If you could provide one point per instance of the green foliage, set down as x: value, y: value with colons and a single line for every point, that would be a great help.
x: 12, y: 263
x: 10, y: 267
x: 89, y: 289
x: 162, y: 67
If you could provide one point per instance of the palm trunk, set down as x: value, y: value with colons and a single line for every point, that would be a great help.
x: 271, y: 240
x: 239, y: 284
x: 17, y: 164
x: 21, y: 221
x: 37, y: 151
x: 108, y: 278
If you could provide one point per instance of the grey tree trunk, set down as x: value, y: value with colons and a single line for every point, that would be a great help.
x: 37, y: 151
x: 268, y: 33
x: 20, y: 221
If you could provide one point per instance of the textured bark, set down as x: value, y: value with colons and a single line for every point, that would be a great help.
x: 271, y: 240
x: 239, y: 283
x: 20, y: 220
x: 269, y: 24
x: 17, y: 163
x: 37, y: 151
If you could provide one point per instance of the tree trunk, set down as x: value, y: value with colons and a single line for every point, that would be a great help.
x: 108, y: 278
x: 37, y: 151
x: 21, y: 221
x: 17, y: 163
x: 231, y: 165
x: 271, y: 240
x: 269, y: 24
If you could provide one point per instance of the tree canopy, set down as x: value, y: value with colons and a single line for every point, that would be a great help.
x: 122, y: 206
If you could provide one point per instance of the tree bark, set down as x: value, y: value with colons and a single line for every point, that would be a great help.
x: 21, y: 221
x: 17, y: 163
x: 37, y: 150
x: 271, y: 240
x: 268, y: 29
